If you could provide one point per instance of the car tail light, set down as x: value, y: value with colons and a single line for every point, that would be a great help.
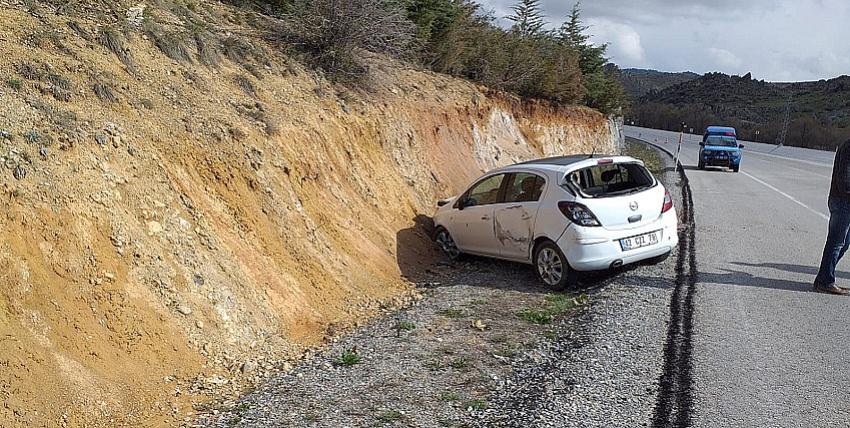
x: 578, y: 214
x: 668, y: 202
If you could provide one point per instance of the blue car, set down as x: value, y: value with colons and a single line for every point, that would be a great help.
x: 719, y: 147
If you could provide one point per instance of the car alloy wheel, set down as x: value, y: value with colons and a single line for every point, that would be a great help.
x: 550, y: 266
x: 447, y: 244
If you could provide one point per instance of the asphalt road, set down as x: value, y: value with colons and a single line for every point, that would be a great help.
x: 766, y: 350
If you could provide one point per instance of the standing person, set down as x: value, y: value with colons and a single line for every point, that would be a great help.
x: 838, y: 236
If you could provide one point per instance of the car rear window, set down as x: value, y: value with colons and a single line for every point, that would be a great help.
x: 611, y: 179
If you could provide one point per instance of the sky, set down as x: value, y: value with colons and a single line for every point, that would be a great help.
x: 775, y: 40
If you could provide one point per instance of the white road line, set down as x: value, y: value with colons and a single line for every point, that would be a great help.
x: 788, y: 159
x: 820, y: 214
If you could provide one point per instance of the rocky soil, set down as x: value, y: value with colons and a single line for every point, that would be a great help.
x: 477, y: 349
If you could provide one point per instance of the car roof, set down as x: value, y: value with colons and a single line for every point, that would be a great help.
x: 562, y: 164
x: 722, y: 129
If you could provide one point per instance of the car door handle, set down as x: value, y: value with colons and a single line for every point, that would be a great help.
x: 485, y: 217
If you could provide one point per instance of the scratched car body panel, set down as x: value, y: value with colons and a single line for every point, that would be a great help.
x: 593, y: 212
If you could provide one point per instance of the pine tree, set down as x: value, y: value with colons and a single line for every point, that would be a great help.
x: 573, y: 33
x: 527, y: 18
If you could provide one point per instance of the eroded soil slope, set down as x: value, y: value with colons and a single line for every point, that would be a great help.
x: 172, y: 227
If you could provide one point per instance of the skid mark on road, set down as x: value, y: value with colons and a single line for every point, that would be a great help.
x: 675, y: 401
x: 791, y: 198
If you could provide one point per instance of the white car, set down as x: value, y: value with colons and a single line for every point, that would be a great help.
x: 562, y: 215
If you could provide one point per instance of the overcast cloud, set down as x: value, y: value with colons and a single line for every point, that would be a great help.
x: 777, y: 40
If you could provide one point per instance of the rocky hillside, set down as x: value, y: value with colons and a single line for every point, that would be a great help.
x: 187, y: 209
x: 819, y: 112
x: 638, y: 82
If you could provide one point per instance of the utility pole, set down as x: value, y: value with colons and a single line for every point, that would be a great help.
x: 786, y: 121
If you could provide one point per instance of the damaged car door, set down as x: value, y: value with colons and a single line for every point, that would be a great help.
x: 515, y: 218
x: 473, y: 218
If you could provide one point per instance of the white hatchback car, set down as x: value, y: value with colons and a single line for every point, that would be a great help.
x: 562, y: 215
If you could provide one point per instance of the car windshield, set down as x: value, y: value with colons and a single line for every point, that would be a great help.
x: 721, y: 140
x: 604, y: 180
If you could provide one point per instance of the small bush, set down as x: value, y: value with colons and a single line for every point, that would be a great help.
x: 173, y: 45
x: 15, y: 84
x: 348, y: 358
x: 333, y: 34
x: 208, y: 53
x: 30, y: 71
x: 148, y: 104
x: 245, y: 84
x: 77, y: 28
x: 104, y: 92
x: 113, y: 41
x: 32, y: 136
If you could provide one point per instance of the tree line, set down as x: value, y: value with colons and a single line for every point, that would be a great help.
x: 531, y: 57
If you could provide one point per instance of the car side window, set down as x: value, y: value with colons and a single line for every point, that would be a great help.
x: 524, y: 187
x: 485, y: 192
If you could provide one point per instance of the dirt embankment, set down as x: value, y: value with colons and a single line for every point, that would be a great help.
x: 171, y: 229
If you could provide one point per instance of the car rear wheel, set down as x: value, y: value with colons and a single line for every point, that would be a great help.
x: 736, y: 168
x: 552, y: 267
x: 701, y: 165
x: 447, y: 244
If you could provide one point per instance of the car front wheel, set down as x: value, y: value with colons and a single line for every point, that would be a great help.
x: 447, y: 244
x: 552, y: 267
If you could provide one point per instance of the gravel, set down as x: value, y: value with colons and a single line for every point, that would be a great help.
x: 463, y: 357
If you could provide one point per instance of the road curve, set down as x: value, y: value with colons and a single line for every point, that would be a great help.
x: 767, y: 351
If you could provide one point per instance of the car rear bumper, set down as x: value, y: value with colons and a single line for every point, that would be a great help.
x: 589, y: 249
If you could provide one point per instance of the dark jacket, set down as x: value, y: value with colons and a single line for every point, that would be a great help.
x: 841, y: 173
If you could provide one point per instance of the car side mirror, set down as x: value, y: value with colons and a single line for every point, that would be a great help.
x: 740, y: 146
x: 461, y: 204
x: 702, y: 144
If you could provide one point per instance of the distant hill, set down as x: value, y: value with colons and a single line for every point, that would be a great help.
x: 638, y: 82
x: 819, y: 111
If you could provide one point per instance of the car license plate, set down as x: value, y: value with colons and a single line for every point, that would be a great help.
x: 640, y: 241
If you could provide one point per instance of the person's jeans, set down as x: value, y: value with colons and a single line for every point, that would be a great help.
x: 837, y: 240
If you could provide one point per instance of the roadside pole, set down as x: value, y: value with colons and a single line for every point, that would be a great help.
x: 678, y: 150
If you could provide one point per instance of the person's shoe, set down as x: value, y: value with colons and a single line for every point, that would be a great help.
x: 831, y: 289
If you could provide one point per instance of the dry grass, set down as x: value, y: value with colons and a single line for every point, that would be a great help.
x: 245, y: 84
x: 113, y: 41
x: 104, y: 92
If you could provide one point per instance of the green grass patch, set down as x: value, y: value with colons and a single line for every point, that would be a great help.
x: 475, y: 404
x: 460, y: 363
x: 451, y: 313
x: 645, y: 153
x: 348, y: 358
x: 15, y: 84
x: 450, y: 396
x: 406, y: 325
x: 388, y: 416
x: 556, y: 305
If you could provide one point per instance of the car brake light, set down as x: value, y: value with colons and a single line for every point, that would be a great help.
x: 668, y: 202
x: 578, y: 214
x: 604, y: 161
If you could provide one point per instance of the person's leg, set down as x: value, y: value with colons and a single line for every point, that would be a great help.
x: 836, y: 241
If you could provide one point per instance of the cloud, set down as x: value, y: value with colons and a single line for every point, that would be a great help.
x: 623, y: 41
x: 774, y: 39
x: 725, y: 59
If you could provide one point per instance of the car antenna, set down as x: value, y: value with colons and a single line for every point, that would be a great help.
x: 592, y: 154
